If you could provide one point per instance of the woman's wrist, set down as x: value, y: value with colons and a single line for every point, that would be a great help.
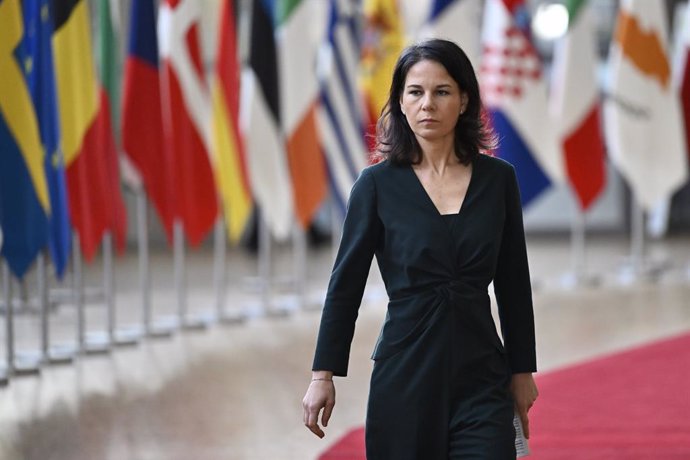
x: 321, y: 375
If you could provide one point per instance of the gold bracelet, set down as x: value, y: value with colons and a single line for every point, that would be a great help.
x: 323, y: 379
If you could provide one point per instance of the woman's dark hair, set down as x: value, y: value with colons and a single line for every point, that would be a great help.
x: 395, y: 140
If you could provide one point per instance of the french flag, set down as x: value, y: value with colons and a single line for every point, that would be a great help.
x: 515, y: 94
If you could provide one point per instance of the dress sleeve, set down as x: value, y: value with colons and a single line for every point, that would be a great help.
x: 361, y: 232
x: 512, y: 286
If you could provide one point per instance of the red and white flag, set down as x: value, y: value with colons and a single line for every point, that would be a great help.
x: 186, y: 112
x: 575, y: 102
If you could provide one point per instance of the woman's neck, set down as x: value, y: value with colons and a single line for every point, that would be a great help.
x: 438, y: 155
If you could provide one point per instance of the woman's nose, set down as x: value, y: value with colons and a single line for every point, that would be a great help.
x: 427, y: 102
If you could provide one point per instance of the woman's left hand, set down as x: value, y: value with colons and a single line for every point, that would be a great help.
x: 524, y: 392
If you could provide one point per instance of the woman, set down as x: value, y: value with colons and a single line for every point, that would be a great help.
x: 444, y: 221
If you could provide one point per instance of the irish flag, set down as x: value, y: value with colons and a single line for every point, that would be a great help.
x: 575, y: 101
x: 299, y: 32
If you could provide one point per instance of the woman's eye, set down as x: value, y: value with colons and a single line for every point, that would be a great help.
x: 443, y: 92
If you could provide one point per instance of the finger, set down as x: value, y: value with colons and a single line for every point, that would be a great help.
x: 525, y: 424
x: 327, y: 411
x: 313, y: 424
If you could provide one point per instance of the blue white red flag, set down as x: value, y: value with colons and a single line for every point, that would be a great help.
x: 514, y: 92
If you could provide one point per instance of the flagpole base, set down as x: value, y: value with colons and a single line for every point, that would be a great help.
x: 315, y: 301
x: 96, y: 343
x: 127, y: 336
x: 61, y: 354
x: 641, y: 271
x: 27, y: 363
x: 162, y: 328
x: 196, y: 321
x: 284, y: 305
x: 231, y: 318
x: 575, y: 280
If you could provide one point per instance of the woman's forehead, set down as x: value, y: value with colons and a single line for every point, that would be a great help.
x: 428, y: 72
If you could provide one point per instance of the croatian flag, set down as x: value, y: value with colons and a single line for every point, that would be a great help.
x: 514, y: 91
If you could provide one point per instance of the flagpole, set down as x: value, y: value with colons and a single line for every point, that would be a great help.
x: 49, y: 354
x: 96, y: 344
x: 638, y: 267
x: 116, y: 336
x: 20, y: 363
x: 149, y: 328
x: 264, y: 263
x: 578, y: 276
x: 108, y: 285
x: 300, y: 261
x: 185, y: 319
x: 265, y: 270
x: 220, y: 273
x: 7, y: 372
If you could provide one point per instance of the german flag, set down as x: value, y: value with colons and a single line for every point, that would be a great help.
x: 227, y: 146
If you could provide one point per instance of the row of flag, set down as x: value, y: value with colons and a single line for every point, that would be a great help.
x: 291, y: 123
x: 556, y: 137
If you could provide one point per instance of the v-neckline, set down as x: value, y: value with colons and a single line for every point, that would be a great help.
x: 431, y: 202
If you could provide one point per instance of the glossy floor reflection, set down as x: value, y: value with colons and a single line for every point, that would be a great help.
x: 234, y: 392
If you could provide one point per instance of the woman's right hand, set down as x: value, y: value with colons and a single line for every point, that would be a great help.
x: 320, y: 395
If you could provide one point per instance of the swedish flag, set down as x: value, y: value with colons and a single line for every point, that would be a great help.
x: 24, y: 198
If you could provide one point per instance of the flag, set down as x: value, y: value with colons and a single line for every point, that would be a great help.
x: 576, y: 103
x: 340, y: 115
x: 142, y: 115
x: 228, y: 147
x: 299, y: 30
x: 38, y: 19
x: 108, y: 95
x: 681, y: 72
x: 260, y: 120
x: 642, y: 110
x: 458, y: 21
x: 383, y: 42
x: 186, y: 105
x: 514, y: 91
x: 24, y: 196
x: 89, y: 188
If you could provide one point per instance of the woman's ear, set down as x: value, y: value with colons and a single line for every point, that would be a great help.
x: 464, y: 101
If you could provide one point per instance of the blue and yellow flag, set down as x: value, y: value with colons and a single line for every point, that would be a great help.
x: 24, y: 198
x: 40, y: 77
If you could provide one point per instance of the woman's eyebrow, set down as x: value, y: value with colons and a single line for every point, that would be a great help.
x: 415, y: 85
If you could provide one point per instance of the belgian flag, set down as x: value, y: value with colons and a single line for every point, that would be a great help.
x: 89, y: 170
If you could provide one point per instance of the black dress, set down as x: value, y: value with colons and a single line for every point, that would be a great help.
x: 439, y: 388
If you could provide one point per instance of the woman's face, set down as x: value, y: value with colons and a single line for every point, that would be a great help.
x: 431, y: 101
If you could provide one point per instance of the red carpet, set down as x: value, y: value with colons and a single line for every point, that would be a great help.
x: 633, y: 405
